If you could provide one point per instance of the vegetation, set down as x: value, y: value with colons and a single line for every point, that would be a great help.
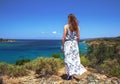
x: 84, y: 61
x: 110, y: 41
x: 45, y: 66
x: 22, y: 61
x: 104, y: 55
x: 56, y: 55
x: 41, y: 66
x: 12, y: 70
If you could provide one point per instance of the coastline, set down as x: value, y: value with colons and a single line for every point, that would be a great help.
x: 32, y: 49
x: 7, y: 40
x: 92, y: 76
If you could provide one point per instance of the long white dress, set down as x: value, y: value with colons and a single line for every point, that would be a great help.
x: 71, y: 53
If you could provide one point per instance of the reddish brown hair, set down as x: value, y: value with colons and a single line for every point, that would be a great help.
x: 73, y: 23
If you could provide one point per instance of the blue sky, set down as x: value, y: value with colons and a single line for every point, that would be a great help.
x: 45, y: 19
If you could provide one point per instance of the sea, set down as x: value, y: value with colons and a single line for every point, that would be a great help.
x: 31, y: 49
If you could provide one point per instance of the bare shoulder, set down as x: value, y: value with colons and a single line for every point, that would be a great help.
x: 66, y: 26
x: 79, y: 28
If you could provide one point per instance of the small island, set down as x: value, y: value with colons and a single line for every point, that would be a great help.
x: 6, y: 40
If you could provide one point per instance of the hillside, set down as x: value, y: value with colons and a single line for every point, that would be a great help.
x: 104, y: 55
x: 112, y: 40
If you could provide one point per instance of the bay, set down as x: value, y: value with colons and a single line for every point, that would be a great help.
x: 10, y: 52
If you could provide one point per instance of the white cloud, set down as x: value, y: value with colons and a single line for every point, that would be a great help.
x: 54, y: 32
x: 42, y: 32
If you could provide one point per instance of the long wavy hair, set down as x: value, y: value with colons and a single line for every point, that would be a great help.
x: 73, y: 22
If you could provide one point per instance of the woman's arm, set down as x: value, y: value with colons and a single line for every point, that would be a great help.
x: 64, y: 34
x: 78, y: 35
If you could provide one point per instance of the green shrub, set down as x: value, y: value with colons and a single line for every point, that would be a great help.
x: 30, y: 65
x: 41, y: 66
x: 48, y: 66
x: 115, y: 71
x: 22, y: 61
x: 5, y: 68
x: 56, y: 55
x: 84, y: 61
x: 104, y: 55
x: 18, y: 71
x: 111, y: 68
x: 45, y: 66
x: 12, y: 70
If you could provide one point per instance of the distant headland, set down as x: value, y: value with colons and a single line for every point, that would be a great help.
x: 105, y: 40
x: 6, y: 40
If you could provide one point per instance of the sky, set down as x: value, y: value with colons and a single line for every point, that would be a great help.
x: 45, y: 19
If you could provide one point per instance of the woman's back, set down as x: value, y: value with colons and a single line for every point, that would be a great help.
x: 71, y: 35
x: 70, y: 42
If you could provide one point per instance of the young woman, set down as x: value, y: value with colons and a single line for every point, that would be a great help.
x: 70, y: 41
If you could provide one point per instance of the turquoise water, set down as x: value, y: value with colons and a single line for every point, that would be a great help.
x: 31, y: 49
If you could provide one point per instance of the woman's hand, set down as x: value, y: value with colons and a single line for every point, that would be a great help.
x: 62, y: 48
x: 64, y: 35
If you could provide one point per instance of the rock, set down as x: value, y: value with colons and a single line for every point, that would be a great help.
x: 107, y: 81
x: 83, y: 81
x: 1, y: 80
x: 115, y: 81
x: 92, y: 79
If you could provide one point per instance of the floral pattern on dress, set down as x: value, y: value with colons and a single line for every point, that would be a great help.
x: 72, y: 58
x: 71, y: 35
